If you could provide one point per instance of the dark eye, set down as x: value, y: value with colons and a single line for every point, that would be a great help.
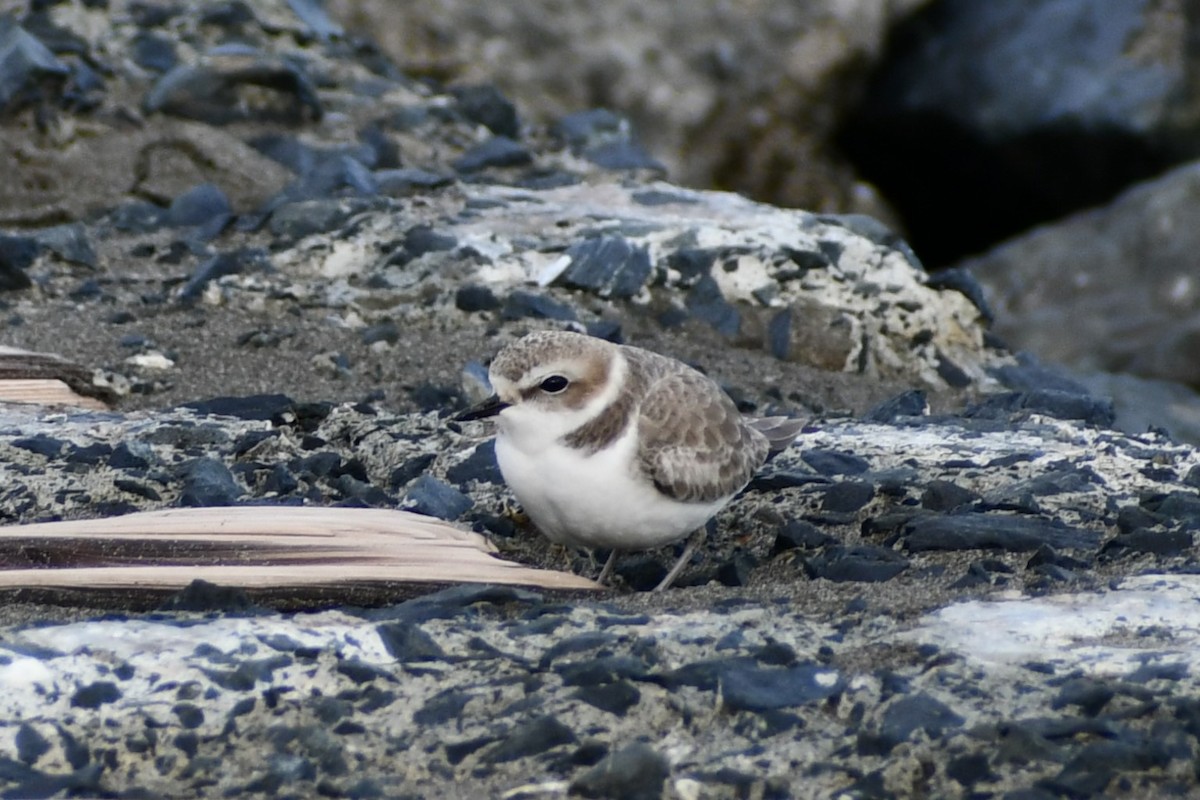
x: 554, y: 384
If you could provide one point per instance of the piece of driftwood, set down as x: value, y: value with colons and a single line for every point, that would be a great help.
x: 276, y: 549
x: 48, y: 379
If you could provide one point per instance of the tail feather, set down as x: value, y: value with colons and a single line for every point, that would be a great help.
x: 780, y: 431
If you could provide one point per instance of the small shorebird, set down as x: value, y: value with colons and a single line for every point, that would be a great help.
x: 617, y: 447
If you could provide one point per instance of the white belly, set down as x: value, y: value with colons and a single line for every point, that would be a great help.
x: 596, y: 500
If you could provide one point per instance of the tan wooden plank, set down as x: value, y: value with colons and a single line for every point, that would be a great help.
x: 46, y: 392
x: 29, y: 377
x: 257, y: 547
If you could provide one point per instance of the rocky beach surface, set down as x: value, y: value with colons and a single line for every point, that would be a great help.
x: 285, y: 261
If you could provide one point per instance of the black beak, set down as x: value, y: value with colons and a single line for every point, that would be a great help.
x: 488, y: 408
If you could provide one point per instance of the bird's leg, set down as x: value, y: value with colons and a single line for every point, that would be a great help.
x: 607, y: 572
x: 693, y: 540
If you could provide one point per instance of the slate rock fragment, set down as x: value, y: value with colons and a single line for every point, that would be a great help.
x: 442, y: 707
x: 435, y: 498
x: 942, y: 495
x: 834, y: 462
x: 706, y: 303
x: 296, y: 220
x: 218, y: 266
x: 801, y: 535
x: 486, y: 106
x: 70, y: 243
x: 480, y: 466
x: 200, y: 595
x: 1096, y: 411
x: 616, y: 698
x: 212, y: 90
x: 754, y: 688
x: 498, y: 151
x: 41, y: 444
x: 208, y: 482
x: 608, y: 265
x: 635, y: 772
x: 910, y: 403
x: 847, y: 496
x: 197, y: 206
x: 406, y: 181
x: 1148, y: 540
x: 26, y: 65
x: 249, y: 407
x: 153, y: 52
x: 472, y: 298
x: 95, y: 695
x: 903, y: 718
x: 31, y: 745
x: 861, y: 563
x: 520, y: 304
x: 530, y: 738
x: 1014, y: 533
x: 407, y: 642
x: 17, y: 253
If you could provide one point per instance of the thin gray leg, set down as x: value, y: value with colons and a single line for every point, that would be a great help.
x: 693, y: 540
x: 607, y: 572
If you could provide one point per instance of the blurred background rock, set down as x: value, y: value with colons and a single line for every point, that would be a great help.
x: 1043, y: 144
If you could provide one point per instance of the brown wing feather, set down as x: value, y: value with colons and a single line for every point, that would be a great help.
x: 680, y: 447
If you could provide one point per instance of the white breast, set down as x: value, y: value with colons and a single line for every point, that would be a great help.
x: 596, y: 500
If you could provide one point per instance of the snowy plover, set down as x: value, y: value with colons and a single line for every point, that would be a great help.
x: 613, y: 446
